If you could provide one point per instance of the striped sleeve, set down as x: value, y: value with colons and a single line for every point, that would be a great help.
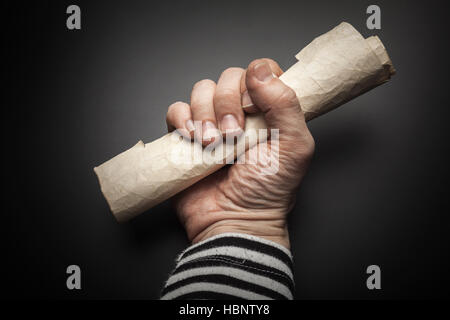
x: 232, y: 266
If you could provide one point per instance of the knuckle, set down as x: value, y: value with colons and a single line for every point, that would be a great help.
x: 173, y: 111
x: 174, y: 106
x: 226, y: 101
x: 169, y: 116
x: 204, y: 83
x: 225, y: 97
x: 232, y: 70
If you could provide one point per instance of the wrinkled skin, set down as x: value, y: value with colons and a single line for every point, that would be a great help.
x: 239, y: 197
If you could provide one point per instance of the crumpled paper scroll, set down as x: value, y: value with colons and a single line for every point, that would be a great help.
x: 334, y: 68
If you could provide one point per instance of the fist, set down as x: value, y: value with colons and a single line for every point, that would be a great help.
x: 242, y: 197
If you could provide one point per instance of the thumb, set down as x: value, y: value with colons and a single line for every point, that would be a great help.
x: 276, y: 100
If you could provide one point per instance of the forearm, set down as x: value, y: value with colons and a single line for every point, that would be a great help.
x: 232, y: 266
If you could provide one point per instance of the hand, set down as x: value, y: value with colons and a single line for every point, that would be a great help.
x: 239, y: 198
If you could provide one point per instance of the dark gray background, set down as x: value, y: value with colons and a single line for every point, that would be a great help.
x: 376, y: 192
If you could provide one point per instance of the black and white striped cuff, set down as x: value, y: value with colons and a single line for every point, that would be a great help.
x: 232, y: 266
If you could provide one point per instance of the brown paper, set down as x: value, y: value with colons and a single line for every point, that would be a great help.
x: 334, y: 68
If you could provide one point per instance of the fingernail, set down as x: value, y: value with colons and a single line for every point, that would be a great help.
x: 246, y: 100
x: 210, y: 131
x: 190, y: 125
x: 263, y: 72
x: 230, y: 125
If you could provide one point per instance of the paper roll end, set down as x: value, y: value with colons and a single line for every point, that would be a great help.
x: 380, y: 51
x: 98, y: 174
x: 120, y: 215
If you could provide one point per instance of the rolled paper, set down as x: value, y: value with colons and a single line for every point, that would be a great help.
x: 333, y: 69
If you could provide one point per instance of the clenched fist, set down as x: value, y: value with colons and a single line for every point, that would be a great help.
x: 241, y: 197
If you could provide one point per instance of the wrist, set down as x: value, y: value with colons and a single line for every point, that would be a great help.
x: 273, y: 230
